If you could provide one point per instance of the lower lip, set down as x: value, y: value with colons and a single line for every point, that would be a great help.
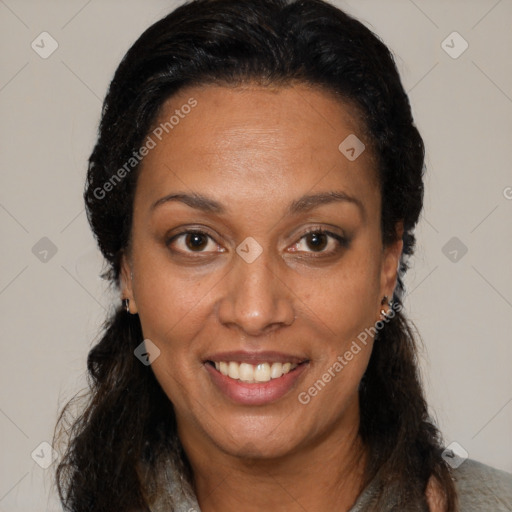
x: 256, y: 394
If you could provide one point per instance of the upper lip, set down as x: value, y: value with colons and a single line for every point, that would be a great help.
x: 241, y: 356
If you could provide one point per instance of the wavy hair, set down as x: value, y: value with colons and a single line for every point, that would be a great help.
x: 118, y: 446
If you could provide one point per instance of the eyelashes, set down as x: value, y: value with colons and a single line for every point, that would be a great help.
x: 316, y: 242
x: 195, y: 240
x: 319, y: 239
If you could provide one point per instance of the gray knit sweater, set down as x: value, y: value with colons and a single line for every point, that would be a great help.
x: 480, y: 487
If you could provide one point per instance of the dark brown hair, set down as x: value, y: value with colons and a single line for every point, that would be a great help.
x: 118, y: 445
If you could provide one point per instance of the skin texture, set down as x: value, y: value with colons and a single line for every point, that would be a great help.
x: 255, y: 150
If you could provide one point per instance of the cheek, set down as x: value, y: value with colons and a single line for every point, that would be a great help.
x: 167, y: 301
x: 173, y: 312
x: 344, y: 300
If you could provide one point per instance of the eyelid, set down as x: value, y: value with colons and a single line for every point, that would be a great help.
x: 191, y: 230
x: 342, y: 240
x: 182, y: 230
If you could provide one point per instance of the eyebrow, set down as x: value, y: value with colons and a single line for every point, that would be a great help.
x: 308, y: 202
x: 303, y: 204
x: 197, y: 201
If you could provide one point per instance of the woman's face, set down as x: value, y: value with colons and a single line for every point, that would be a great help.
x: 256, y: 250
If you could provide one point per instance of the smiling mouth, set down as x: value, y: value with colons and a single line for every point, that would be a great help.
x: 253, y: 373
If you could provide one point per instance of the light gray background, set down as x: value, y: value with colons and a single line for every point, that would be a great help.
x: 51, y: 311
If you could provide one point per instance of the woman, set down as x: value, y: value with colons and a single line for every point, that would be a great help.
x: 254, y: 187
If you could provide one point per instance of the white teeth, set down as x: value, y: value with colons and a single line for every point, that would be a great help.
x: 246, y: 372
x: 276, y: 370
x: 249, y: 373
x: 233, y: 370
x: 224, y: 368
x: 262, y: 373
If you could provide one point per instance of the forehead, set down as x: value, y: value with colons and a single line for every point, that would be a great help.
x: 253, y: 142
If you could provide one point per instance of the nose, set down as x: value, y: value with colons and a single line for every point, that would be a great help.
x: 255, y: 299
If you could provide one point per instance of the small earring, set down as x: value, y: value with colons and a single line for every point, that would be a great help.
x: 126, y: 305
x: 385, y: 299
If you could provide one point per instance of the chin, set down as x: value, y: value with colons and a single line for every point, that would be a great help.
x: 257, y: 449
x: 250, y: 439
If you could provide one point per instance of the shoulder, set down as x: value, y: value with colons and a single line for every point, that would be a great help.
x: 482, y: 487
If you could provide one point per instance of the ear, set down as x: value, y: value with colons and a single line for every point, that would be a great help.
x: 390, y: 261
x: 126, y: 284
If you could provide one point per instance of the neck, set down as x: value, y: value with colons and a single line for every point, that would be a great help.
x: 326, y: 476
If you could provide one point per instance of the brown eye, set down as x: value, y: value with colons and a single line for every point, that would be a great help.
x: 196, y: 241
x: 191, y: 241
x: 321, y: 243
x: 317, y: 241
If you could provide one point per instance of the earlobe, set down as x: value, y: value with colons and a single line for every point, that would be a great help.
x: 126, y: 284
